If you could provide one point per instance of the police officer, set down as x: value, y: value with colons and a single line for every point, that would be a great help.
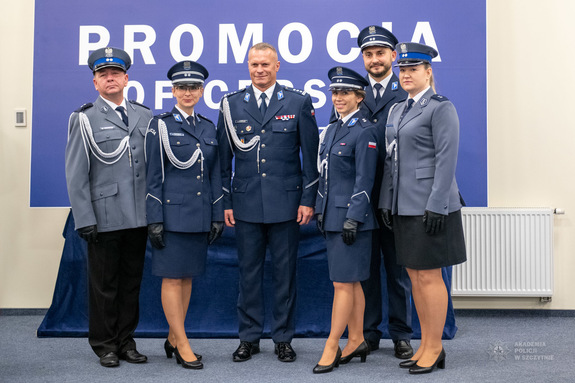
x: 420, y: 199
x: 265, y: 127
x: 184, y: 201
x: 377, y: 46
x: 105, y: 174
x: 348, y: 156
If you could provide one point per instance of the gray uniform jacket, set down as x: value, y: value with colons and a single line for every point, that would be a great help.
x: 111, y: 196
x: 419, y: 173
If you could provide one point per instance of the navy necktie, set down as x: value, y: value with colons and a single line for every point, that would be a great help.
x: 409, y: 104
x: 377, y: 88
x: 263, y: 105
x: 123, y: 114
x: 191, y: 121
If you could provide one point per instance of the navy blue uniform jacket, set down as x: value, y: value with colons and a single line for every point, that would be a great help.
x: 271, y: 190
x: 345, y: 189
x: 186, y: 201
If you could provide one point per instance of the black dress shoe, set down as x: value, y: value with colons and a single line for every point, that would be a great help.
x: 407, y: 363
x: 362, y: 351
x: 193, y: 365
x: 133, y: 356
x: 245, y: 351
x: 170, y: 350
x: 285, y: 352
x: 110, y: 360
x: 403, y: 349
x: 319, y: 369
x: 373, y: 345
x: 439, y: 362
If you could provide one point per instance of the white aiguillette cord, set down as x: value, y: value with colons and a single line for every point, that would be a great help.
x: 88, y: 140
x: 233, y: 136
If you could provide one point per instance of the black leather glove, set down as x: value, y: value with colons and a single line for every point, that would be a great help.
x: 156, y: 235
x: 88, y: 233
x: 433, y: 222
x: 349, y: 231
x: 319, y: 223
x: 216, y: 231
x: 385, y: 217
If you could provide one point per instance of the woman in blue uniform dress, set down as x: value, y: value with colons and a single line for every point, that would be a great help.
x: 347, y: 162
x: 183, y: 202
x: 420, y: 199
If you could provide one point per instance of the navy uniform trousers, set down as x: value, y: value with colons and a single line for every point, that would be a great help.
x: 398, y: 285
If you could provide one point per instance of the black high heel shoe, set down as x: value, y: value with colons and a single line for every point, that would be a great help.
x: 319, y: 369
x: 407, y: 363
x: 194, y: 365
x: 170, y: 350
x: 362, y: 351
x: 439, y: 362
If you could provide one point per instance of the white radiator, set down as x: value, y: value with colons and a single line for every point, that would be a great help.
x: 509, y: 253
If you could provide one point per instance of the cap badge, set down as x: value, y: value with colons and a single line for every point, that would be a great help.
x: 403, y: 48
x: 339, y: 71
x: 372, y: 29
x: 187, y: 65
x: 109, y: 52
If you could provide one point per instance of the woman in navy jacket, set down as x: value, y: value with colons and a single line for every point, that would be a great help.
x: 184, y: 201
x: 420, y: 198
x: 347, y: 161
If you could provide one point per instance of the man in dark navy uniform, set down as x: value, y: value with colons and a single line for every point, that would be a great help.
x: 378, y: 51
x: 264, y: 127
x: 106, y: 178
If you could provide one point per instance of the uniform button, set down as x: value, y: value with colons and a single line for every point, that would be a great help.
x: 263, y: 160
x: 198, y: 177
x: 198, y: 144
x: 134, y: 147
x: 199, y: 161
x: 263, y: 131
x: 327, y: 155
x: 338, y: 152
x: 137, y: 174
x: 101, y: 194
x: 264, y: 174
x: 107, y: 136
x: 136, y: 161
x: 375, y: 120
x: 199, y: 194
x: 285, y: 129
x: 168, y: 201
x: 178, y: 143
x: 263, y: 146
x: 348, y: 205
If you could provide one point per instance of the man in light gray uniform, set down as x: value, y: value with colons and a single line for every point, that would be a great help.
x: 105, y: 174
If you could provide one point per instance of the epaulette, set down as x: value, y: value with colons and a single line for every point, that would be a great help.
x: 137, y: 103
x: 163, y: 115
x: 204, y: 118
x: 235, y: 92
x: 439, y: 98
x: 298, y: 91
x: 84, y: 107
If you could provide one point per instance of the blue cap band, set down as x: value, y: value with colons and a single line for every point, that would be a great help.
x: 414, y: 56
x: 108, y: 60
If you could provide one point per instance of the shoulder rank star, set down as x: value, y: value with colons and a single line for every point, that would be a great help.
x: 285, y: 117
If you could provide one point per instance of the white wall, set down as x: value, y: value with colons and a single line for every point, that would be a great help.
x: 530, y: 127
